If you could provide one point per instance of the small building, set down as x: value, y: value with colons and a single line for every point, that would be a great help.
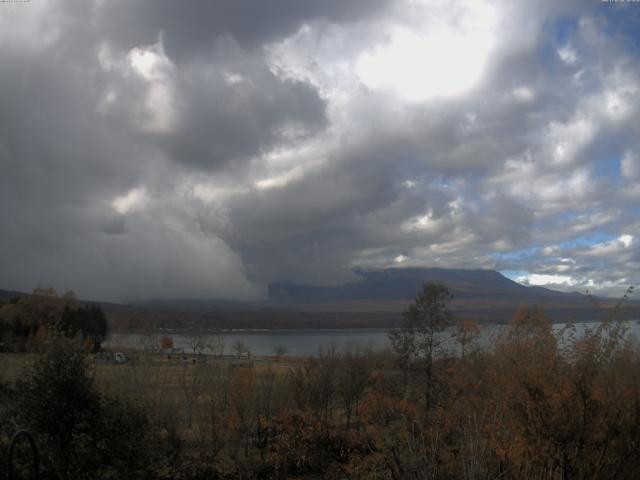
x: 106, y: 358
x: 103, y: 358
x: 173, y: 353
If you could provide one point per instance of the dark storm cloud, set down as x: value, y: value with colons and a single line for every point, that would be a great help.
x: 238, y: 108
x: 55, y: 152
x: 206, y: 149
x: 63, y: 163
x: 372, y: 198
x: 193, y: 28
x: 77, y: 133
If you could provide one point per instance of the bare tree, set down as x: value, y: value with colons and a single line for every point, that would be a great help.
x: 280, y: 351
x: 266, y: 392
x: 149, y: 340
x: 196, y: 339
x: 319, y: 383
x: 240, y: 347
x: 466, y: 334
x: 353, y: 377
x: 217, y: 343
x: 213, y: 409
x: 191, y: 381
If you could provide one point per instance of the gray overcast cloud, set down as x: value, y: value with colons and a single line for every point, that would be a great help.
x: 204, y: 149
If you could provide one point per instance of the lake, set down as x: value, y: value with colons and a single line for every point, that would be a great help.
x: 308, y: 342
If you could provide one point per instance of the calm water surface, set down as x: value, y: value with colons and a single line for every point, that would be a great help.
x: 310, y: 341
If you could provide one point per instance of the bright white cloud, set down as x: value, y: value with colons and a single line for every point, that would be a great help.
x: 155, y: 111
x: 432, y: 128
x: 625, y: 240
x: 401, y: 259
x: 546, y: 279
x: 233, y: 78
x: 280, y: 180
x: 134, y: 199
x: 436, y: 51
x: 524, y: 95
x: 567, y: 140
x: 152, y: 64
x: 434, y: 61
x: 568, y: 55
x: 610, y: 247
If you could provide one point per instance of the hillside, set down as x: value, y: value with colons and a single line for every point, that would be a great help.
x: 485, y: 295
x: 404, y: 284
x: 376, y: 299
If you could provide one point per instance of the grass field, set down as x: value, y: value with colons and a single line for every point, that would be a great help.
x: 13, y: 364
x: 173, y: 388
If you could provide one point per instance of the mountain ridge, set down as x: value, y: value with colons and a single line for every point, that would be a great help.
x: 376, y: 299
x: 404, y: 283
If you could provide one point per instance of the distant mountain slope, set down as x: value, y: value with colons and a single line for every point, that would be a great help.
x: 404, y: 284
x: 482, y: 294
x: 6, y: 295
x: 377, y: 299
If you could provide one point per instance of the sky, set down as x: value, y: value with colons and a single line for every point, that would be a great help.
x: 204, y: 149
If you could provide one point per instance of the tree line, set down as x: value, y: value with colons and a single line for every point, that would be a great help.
x: 26, y: 322
x: 537, y: 404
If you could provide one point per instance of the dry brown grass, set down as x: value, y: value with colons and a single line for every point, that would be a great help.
x: 13, y: 364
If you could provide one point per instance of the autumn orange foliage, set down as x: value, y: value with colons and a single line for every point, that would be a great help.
x: 539, y: 403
